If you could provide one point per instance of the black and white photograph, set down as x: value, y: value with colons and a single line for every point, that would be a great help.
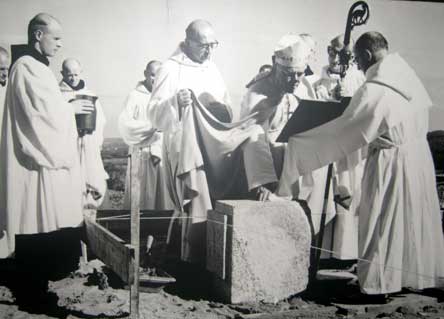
x: 224, y: 159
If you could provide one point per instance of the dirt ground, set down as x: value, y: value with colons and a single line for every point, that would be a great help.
x: 94, y: 292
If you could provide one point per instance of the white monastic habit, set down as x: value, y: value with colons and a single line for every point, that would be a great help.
x: 180, y: 72
x: 40, y: 188
x: 341, y: 235
x: 89, y: 147
x: 326, y: 85
x: 2, y: 102
x: 400, y: 237
x: 4, y: 249
x: 137, y: 131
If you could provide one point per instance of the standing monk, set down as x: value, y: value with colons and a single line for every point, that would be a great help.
x: 40, y: 185
x: 347, y: 181
x: 400, y: 237
x: 330, y: 86
x: 188, y: 71
x: 4, y: 70
x: 137, y: 131
x: 89, y: 145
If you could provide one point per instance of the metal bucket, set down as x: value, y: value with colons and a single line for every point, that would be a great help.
x: 86, y: 123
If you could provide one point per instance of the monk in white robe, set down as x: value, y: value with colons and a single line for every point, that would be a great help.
x: 188, y: 71
x: 40, y: 188
x: 89, y: 145
x: 330, y: 86
x: 400, y: 237
x: 272, y: 100
x: 341, y: 235
x: 137, y: 131
x: 4, y: 71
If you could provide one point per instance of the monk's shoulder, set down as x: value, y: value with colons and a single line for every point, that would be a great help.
x: 28, y: 68
x: 169, y: 66
x: 263, y: 86
x: 21, y: 65
x: 259, y: 78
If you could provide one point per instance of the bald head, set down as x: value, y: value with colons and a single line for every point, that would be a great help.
x: 265, y: 68
x: 70, y: 63
x: 150, y: 73
x: 198, y: 29
x: 4, y: 52
x: 370, y: 48
x: 41, y: 22
x: 372, y: 41
x: 200, y: 41
x: 45, y: 34
x: 4, y: 66
x: 152, y: 65
x: 71, y: 72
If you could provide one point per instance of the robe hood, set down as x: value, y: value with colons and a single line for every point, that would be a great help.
x: 65, y: 87
x: 180, y: 57
x: 394, y: 72
x: 141, y: 88
x: 18, y: 51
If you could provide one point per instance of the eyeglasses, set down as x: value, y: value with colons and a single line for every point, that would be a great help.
x: 206, y: 46
x: 290, y: 71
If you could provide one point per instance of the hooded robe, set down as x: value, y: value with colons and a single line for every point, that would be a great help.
x: 2, y: 102
x: 89, y: 147
x: 400, y: 237
x: 137, y: 131
x: 186, y: 178
x: 40, y: 188
x: 341, y: 236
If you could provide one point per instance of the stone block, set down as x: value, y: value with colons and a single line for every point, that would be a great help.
x: 258, y: 251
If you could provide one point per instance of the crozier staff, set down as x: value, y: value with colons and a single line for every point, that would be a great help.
x: 400, y: 237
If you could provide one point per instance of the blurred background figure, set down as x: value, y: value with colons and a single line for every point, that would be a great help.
x: 342, y: 235
x: 73, y: 87
x: 311, y: 42
x: 330, y: 86
x: 263, y: 71
x: 4, y: 71
x: 137, y: 131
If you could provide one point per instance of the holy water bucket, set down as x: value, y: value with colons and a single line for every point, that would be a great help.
x: 86, y: 123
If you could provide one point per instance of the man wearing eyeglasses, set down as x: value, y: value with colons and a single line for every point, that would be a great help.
x: 272, y: 100
x: 188, y: 71
x: 400, y: 237
x: 331, y: 86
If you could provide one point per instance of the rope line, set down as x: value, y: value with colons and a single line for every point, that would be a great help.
x: 281, y: 237
x: 128, y: 215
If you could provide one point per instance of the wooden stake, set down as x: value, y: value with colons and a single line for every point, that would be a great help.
x: 323, y: 218
x: 135, y: 231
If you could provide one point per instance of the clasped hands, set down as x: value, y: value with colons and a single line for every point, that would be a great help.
x: 184, y: 98
x: 340, y: 91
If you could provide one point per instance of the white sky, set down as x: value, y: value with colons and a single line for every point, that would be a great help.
x: 115, y: 39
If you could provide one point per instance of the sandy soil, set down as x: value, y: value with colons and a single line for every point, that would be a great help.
x: 88, y: 293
